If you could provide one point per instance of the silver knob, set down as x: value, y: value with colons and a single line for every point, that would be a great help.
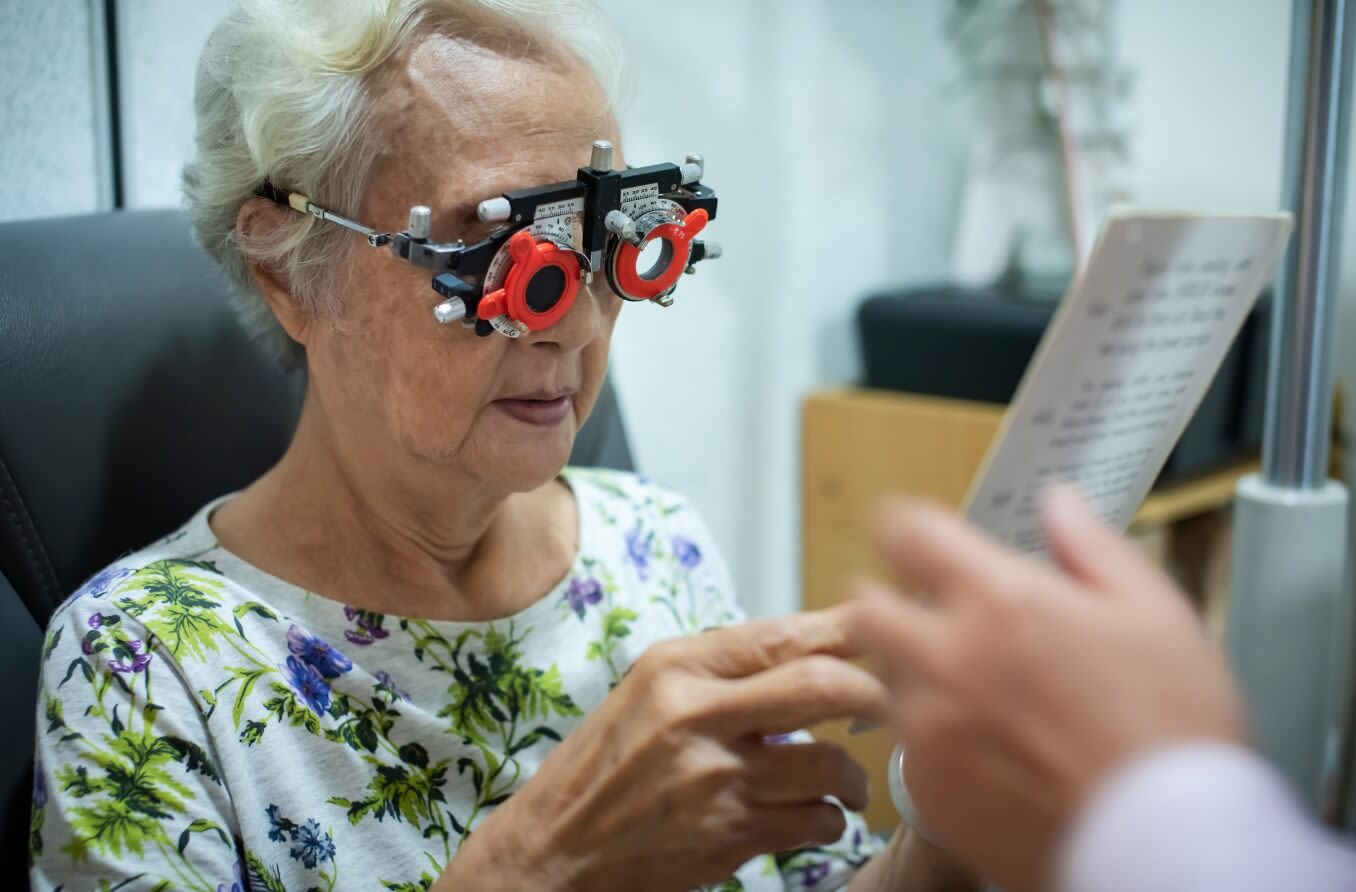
x: 449, y: 311
x: 419, y: 222
x: 621, y: 226
x: 494, y: 210
x: 602, y: 155
x: 713, y: 250
x: 693, y: 169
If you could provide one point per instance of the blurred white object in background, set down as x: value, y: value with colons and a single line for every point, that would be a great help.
x: 1048, y: 161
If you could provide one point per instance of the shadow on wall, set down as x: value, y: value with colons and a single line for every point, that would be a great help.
x: 897, y: 131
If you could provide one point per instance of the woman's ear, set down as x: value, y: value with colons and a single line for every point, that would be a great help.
x: 258, y: 222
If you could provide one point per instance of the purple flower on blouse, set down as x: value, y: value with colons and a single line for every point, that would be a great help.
x: 317, y: 653
x: 87, y: 647
x: 811, y: 874
x: 638, y: 550
x: 137, y: 662
x: 686, y: 551
x: 96, y: 620
x: 237, y: 886
x: 369, y: 626
x: 39, y: 785
x: 582, y: 594
x: 102, y: 582
x: 309, y: 684
x: 386, y: 681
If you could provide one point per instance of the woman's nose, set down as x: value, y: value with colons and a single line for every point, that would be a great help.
x: 580, y: 324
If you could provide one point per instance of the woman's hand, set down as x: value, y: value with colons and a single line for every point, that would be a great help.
x: 1023, y: 686
x: 670, y: 783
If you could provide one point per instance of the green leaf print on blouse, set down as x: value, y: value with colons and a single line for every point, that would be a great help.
x: 491, y: 694
x: 262, y: 877
x: 250, y: 607
x: 494, y: 697
x: 124, y: 780
x: 178, y: 603
x: 128, y: 793
x: 411, y: 793
x: 616, y: 626
x: 424, y: 883
x: 38, y: 811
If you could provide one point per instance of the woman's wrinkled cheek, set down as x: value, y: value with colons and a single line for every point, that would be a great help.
x: 398, y: 366
x: 440, y: 380
x: 364, y: 354
x: 595, y: 358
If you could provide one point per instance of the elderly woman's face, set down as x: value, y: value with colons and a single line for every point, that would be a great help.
x: 466, y: 124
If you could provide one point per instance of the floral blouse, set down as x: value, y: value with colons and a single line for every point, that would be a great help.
x: 205, y: 726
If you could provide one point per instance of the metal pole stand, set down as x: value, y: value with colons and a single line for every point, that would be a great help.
x: 1287, y: 629
x: 1283, y: 629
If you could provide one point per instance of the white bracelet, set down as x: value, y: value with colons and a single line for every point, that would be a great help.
x: 899, y: 794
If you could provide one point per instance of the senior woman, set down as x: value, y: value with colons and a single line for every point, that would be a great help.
x: 417, y: 653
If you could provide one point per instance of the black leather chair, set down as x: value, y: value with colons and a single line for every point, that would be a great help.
x: 129, y: 397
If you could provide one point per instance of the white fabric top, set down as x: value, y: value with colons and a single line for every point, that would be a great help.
x: 206, y: 726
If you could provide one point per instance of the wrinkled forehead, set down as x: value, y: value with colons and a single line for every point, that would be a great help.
x: 463, y: 121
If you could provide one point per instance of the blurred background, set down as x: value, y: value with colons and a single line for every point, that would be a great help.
x: 859, y: 147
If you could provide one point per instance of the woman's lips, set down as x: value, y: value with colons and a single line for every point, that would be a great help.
x: 544, y: 412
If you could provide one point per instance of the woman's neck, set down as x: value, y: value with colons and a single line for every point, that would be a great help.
x: 377, y: 535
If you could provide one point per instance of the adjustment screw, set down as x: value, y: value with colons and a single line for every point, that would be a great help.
x: 449, y: 311
x: 602, y: 156
x: 420, y: 216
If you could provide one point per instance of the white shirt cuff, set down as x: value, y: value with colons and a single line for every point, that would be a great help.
x: 1200, y: 818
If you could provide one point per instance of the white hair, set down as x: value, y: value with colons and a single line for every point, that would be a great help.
x: 283, y: 96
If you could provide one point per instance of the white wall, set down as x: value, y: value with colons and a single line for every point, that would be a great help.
x: 50, y: 82
x: 1208, y: 102
x: 159, y: 42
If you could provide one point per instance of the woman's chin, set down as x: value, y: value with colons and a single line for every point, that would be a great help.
x: 527, y: 476
x: 528, y: 460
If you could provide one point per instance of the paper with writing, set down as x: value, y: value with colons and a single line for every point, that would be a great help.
x: 1123, y: 366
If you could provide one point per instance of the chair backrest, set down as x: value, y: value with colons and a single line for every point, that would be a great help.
x: 22, y: 634
x: 129, y: 397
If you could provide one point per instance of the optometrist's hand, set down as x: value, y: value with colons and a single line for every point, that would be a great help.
x: 1022, y: 686
x: 670, y: 783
